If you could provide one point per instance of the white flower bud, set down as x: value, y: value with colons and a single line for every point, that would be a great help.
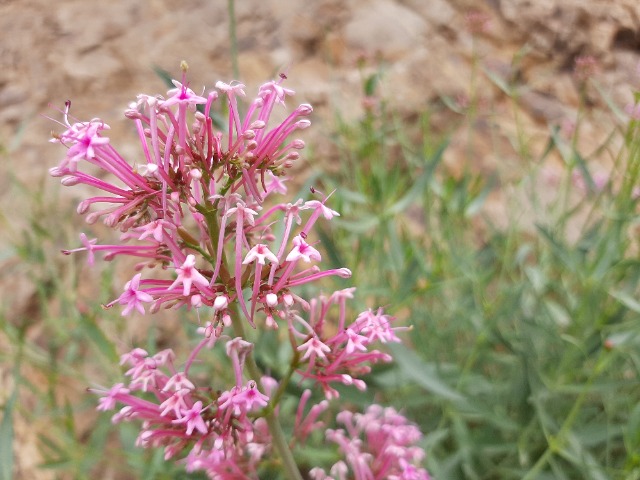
x: 221, y: 302
x: 271, y: 299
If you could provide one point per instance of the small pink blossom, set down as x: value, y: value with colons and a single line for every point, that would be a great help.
x: 313, y: 348
x: 187, y: 274
x: 133, y: 297
x: 260, y: 253
x: 192, y: 417
x: 302, y: 250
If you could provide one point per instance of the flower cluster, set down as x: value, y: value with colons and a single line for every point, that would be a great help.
x: 198, y: 214
x: 379, y: 444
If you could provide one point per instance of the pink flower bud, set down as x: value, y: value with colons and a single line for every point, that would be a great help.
x: 83, y: 206
x: 69, y: 181
x: 304, y: 109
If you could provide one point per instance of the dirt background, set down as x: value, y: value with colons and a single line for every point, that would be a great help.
x: 101, y: 55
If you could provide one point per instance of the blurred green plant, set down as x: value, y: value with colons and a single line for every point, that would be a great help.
x: 525, y: 359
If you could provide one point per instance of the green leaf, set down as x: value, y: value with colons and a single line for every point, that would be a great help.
x: 424, y: 374
x: 557, y: 313
x: 500, y: 82
x: 476, y: 204
x: 6, y: 438
x: 626, y: 299
x: 94, y: 332
x: 420, y: 184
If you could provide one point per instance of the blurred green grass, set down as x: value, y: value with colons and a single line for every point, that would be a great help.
x: 524, y: 352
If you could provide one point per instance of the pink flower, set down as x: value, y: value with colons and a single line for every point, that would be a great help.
x: 108, y: 401
x: 193, y: 419
x: 260, y: 252
x: 379, y: 444
x: 183, y: 95
x: 187, y: 274
x: 376, y: 326
x: 313, y: 348
x: 179, y: 382
x: 243, y: 400
x: 302, y: 250
x: 86, y: 140
x: 132, y: 297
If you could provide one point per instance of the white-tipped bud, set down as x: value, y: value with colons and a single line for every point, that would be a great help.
x: 92, y: 218
x: 83, y: 206
x: 251, y: 145
x: 344, y: 273
x: 305, y: 109
x: 293, y: 156
x: 199, y: 116
x: 302, y: 124
x: 57, y: 171
x: 288, y: 299
x: 196, y: 174
x: 132, y: 114
x: 359, y: 384
x: 196, y: 301
x: 175, y: 197
x: 221, y: 302
x: 69, y: 181
x: 347, y: 379
x: 257, y: 125
x: 110, y: 220
x: 297, y: 144
x: 271, y: 299
x: 249, y: 134
x: 226, y: 320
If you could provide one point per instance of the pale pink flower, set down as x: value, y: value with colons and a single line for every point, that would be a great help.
x: 302, y: 250
x: 187, y: 274
x: 132, y: 297
x: 192, y: 417
x: 178, y: 382
x: 260, y: 253
x: 183, y: 95
x: 313, y: 348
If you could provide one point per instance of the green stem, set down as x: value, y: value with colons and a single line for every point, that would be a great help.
x: 277, y: 435
x: 233, y: 39
x: 556, y: 442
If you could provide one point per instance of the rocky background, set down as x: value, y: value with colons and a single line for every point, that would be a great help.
x: 101, y: 54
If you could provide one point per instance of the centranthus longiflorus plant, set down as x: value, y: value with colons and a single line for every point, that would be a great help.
x: 201, y: 211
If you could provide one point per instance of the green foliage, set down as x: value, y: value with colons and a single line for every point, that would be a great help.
x: 525, y: 336
x: 523, y: 358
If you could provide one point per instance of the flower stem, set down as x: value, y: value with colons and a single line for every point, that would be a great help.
x: 277, y: 435
x: 233, y: 39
